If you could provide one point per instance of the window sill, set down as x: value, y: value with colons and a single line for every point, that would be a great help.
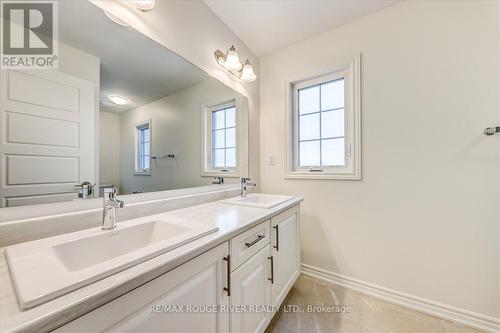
x: 228, y: 174
x: 140, y: 173
x: 322, y: 176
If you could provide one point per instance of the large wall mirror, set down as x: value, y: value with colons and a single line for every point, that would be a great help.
x: 121, y: 111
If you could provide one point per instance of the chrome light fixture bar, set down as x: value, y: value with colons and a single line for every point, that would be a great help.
x: 230, y: 61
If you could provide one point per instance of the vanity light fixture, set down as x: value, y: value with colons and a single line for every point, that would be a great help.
x: 247, y: 74
x: 144, y: 5
x: 230, y: 61
x: 119, y: 100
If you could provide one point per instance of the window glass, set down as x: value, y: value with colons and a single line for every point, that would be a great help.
x: 231, y: 137
x: 218, y: 160
x: 218, y: 137
x: 223, y: 146
x: 332, y: 124
x: 231, y: 117
x: 321, y: 125
x: 218, y: 119
x: 309, y: 100
x: 332, y: 95
x: 143, y: 148
x: 333, y: 152
x: 231, y: 158
x: 309, y: 127
x: 309, y: 153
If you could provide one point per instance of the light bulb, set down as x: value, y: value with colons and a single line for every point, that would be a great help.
x: 247, y: 74
x: 232, y: 60
x: 119, y: 100
x: 144, y: 5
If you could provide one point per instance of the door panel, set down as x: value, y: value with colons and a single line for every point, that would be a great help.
x: 47, y: 138
x: 39, y: 199
x: 42, y: 90
x: 25, y: 129
x: 41, y: 169
x: 285, y: 251
x: 251, y: 287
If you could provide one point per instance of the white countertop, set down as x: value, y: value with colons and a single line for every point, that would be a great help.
x: 231, y: 220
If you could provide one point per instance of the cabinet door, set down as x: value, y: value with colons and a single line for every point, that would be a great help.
x: 286, y: 252
x: 198, y: 282
x: 251, y: 292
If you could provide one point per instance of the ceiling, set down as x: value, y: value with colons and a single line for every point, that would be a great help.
x: 269, y: 25
x: 132, y: 65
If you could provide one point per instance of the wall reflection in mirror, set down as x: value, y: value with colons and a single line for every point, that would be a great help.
x: 121, y: 111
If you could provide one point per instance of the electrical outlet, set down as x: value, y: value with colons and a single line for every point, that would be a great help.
x: 272, y: 160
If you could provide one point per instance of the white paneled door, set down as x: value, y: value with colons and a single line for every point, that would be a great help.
x: 47, y: 124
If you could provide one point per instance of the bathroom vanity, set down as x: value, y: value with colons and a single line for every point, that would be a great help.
x: 231, y: 280
x: 140, y: 139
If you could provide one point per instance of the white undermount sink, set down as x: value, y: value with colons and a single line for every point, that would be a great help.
x: 67, y: 262
x: 90, y: 251
x: 258, y: 200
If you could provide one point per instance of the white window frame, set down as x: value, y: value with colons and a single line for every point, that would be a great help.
x: 206, y: 169
x: 137, y: 151
x: 351, y: 73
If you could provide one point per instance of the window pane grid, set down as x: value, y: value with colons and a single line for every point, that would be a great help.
x: 223, y: 122
x: 338, y: 106
x: 322, y: 111
x: 144, y: 155
x: 323, y: 139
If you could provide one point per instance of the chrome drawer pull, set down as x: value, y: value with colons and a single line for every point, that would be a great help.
x: 272, y: 269
x: 277, y: 246
x: 228, y: 288
x: 252, y: 243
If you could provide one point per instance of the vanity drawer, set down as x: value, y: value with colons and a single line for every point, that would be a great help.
x: 248, y: 243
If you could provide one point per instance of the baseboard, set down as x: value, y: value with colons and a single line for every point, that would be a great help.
x: 440, y: 310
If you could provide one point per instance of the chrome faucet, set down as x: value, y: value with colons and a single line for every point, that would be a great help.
x: 110, y: 205
x: 244, y: 185
x: 85, y: 190
x: 218, y: 180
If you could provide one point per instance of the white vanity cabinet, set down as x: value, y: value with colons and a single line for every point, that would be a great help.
x: 285, y: 250
x: 245, y: 276
x: 251, y: 294
x: 198, y: 282
x: 265, y: 278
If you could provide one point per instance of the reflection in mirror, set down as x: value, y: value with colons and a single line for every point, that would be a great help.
x: 121, y: 111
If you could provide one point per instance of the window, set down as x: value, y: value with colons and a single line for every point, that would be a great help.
x: 220, y: 139
x: 323, y: 132
x: 143, y: 147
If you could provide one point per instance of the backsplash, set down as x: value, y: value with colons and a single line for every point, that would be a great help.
x: 31, y: 228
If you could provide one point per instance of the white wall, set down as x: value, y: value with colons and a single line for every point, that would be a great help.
x: 192, y: 30
x: 424, y: 218
x: 109, y: 160
x: 176, y: 129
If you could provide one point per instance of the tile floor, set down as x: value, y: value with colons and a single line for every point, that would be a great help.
x: 367, y: 314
